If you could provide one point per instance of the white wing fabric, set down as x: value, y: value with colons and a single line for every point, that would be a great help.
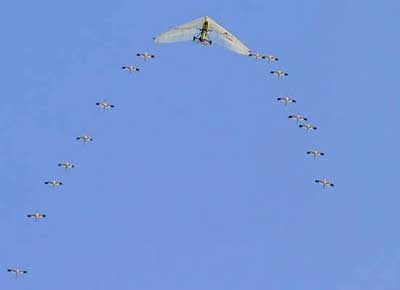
x: 216, y: 33
x: 184, y: 32
x: 223, y: 37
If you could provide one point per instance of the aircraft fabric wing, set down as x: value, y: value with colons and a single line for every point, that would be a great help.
x: 184, y: 32
x: 223, y: 37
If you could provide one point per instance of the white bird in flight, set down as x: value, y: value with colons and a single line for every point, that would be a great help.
x: 308, y: 127
x: 53, y: 183
x: 298, y: 117
x: 84, y: 138
x: 315, y: 153
x: 66, y: 165
x: 279, y: 73
x: 257, y: 55
x: 130, y: 68
x: 286, y: 100
x: 104, y: 105
x: 17, y: 271
x: 145, y: 55
x: 36, y: 215
x: 324, y: 182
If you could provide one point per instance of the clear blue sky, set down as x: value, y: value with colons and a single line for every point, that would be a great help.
x: 197, y: 180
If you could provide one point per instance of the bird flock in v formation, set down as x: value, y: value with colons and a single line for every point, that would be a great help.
x: 299, y: 118
x: 68, y: 165
x: 202, y: 25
